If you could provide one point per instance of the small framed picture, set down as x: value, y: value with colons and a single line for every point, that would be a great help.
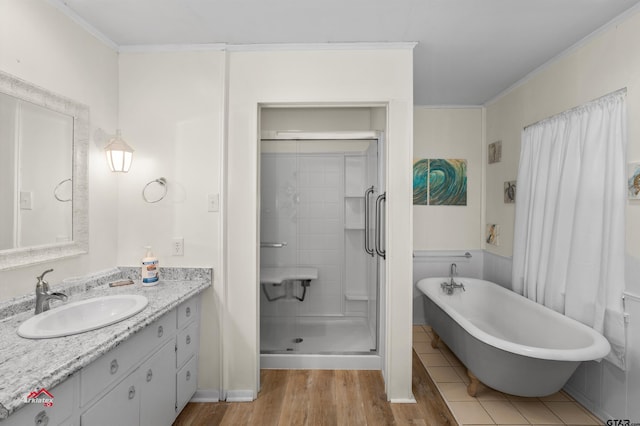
x: 493, y: 234
x: 633, y: 181
x: 495, y: 152
x: 510, y: 192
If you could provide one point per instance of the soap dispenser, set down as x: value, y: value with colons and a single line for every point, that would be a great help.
x: 150, y: 268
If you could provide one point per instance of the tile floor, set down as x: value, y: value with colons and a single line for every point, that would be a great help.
x: 491, y: 407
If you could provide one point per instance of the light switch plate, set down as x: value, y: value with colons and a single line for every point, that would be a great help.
x: 213, y: 202
x: 26, y: 200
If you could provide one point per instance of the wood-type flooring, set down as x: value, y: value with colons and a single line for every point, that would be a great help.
x: 325, y: 397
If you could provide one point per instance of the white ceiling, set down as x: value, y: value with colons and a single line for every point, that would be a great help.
x: 468, y: 50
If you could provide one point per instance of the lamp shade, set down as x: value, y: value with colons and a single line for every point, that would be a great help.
x: 119, y: 154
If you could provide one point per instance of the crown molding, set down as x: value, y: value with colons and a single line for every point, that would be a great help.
x: 158, y: 48
x: 62, y: 7
x: 452, y: 106
x: 270, y: 47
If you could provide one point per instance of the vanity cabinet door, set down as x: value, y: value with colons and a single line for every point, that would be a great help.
x: 64, y: 399
x: 120, y: 406
x: 187, y: 382
x: 158, y: 390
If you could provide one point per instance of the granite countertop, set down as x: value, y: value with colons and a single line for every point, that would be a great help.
x: 28, y: 364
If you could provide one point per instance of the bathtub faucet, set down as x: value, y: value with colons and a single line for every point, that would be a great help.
x: 450, y: 286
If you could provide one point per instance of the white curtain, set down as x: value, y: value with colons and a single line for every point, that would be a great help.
x: 569, y: 245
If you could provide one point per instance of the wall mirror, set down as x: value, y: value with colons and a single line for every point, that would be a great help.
x: 43, y: 175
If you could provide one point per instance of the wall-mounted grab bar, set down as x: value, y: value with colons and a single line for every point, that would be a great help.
x: 379, y: 250
x: 367, y: 248
x: 273, y: 245
x: 466, y: 255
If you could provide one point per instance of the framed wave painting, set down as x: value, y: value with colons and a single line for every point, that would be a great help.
x: 440, y: 182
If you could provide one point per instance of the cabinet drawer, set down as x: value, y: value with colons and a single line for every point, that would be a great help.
x: 64, y: 399
x: 187, y: 343
x: 120, y: 406
x: 112, y: 366
x: 158, y: 331
x: 187, y: 381
x: 187, y: 311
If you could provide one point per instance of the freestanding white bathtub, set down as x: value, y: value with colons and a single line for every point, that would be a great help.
x: 507, y: 341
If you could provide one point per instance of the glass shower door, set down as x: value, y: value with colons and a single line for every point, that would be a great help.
x: 279, y: 210
x: 319, y: 290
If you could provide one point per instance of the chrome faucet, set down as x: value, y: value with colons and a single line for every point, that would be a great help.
x: 43, y: 294
x: 450, y: 286
x: 453, y: 271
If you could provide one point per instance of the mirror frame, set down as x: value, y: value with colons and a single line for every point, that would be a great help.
x: 25, y: 256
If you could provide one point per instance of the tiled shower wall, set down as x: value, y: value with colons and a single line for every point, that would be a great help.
x: 314, y: 203
x: 302, y: 205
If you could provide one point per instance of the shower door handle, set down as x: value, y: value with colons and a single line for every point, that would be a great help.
x: 367, y: 237
x: 273, y: 245
x: 379, y: 250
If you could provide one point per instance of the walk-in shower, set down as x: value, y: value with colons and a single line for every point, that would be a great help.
x: 322, y: 248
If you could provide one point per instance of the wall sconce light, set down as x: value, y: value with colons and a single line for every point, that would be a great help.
x: 119, y: 154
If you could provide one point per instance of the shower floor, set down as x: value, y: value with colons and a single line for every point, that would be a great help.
x: 320, y: 335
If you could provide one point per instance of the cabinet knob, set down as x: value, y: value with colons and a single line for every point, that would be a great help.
x: 188, y: 311
x: 132, y: 392
x: 188, y: 339
x: 149, y: 375
x: 160, y: 331
x: 114, y: 366
x: 188, y: 376
x: 41, y: 419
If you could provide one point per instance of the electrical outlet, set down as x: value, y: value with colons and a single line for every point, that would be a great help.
x: 177, y: 247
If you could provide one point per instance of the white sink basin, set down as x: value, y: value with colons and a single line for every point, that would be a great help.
x: 84, y: 315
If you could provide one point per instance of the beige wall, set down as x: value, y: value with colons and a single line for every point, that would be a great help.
x: 44, y: 47
x: 172, y: 113
x: 323, y: 77
x: 607, y: 62
x: 450, y: 133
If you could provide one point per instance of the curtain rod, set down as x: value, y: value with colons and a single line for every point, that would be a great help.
x: 622, y: 91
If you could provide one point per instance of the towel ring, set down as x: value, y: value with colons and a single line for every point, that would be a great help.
x: 162, y: 181
x: 55, y: 191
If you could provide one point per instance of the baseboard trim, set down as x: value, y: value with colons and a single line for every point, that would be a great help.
x: 206, y: 395
x: 403, y: 401
x: 241, y: 395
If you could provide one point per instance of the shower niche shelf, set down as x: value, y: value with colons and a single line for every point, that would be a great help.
x: 354, y: 212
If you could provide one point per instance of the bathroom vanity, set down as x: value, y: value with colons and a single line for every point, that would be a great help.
x: 142, y: 370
